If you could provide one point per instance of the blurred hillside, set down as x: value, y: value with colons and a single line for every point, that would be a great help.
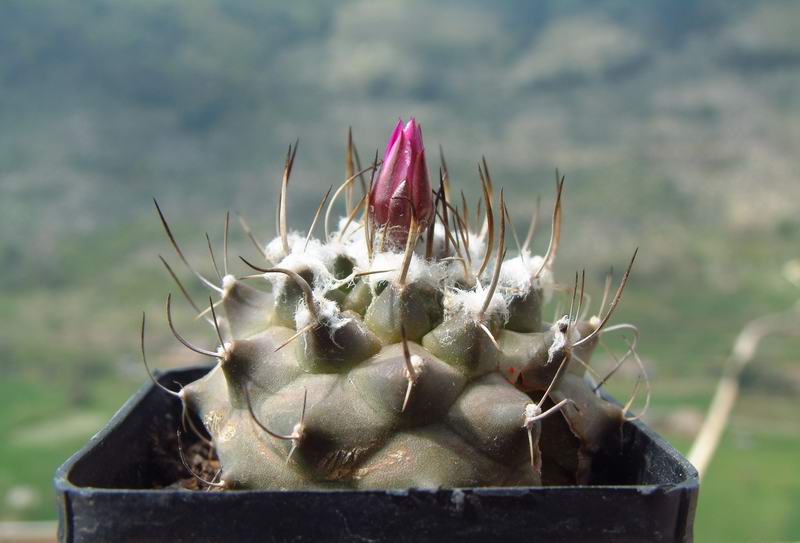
x: 677, y: 124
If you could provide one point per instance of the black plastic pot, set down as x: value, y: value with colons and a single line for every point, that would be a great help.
x: 106, y: 492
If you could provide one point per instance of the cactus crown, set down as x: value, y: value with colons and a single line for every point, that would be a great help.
x: 404, y: 349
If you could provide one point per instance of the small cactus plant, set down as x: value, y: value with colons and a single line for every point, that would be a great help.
x: 404, y: 349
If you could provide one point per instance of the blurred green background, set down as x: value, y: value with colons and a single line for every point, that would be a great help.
x: 676, y: 123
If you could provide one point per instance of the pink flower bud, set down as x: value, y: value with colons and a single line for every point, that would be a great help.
x: 402, y: 188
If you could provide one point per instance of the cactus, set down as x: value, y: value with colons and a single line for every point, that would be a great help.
x: 403, y: 350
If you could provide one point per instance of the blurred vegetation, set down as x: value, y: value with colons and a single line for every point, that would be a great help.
x: 675, y: 122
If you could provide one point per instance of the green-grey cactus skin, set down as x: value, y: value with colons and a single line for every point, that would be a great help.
x: 362, y: 367
x: 525, y: 311
x: 463, y: 421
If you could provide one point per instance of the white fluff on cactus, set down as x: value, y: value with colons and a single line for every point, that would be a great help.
x: 406, y: 348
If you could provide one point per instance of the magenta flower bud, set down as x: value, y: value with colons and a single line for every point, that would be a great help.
x: 402, y: 188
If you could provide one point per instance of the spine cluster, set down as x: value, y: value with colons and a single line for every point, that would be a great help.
x: 405, y: 348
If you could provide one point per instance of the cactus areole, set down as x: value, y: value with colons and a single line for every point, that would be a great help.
x: 406, y: 348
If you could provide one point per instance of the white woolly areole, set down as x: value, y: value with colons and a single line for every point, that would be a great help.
x: 470, y: 302
x: 532, y: 411
x: 477, y: 246
x: 559, y: 339
x: 455, y: 273
x: 517, y: 275
x: 419, y: 269
x: 315, y: 249
x: 328, y: 311
x: 453, y: 268
x: 417, y: 365
x: 274, y: 252
x: 573, y: 335
x: 323, y: 279
x: 227, y: 283
x: 352, y: 243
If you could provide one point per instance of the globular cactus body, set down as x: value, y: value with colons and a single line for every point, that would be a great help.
x: 401, y: 352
